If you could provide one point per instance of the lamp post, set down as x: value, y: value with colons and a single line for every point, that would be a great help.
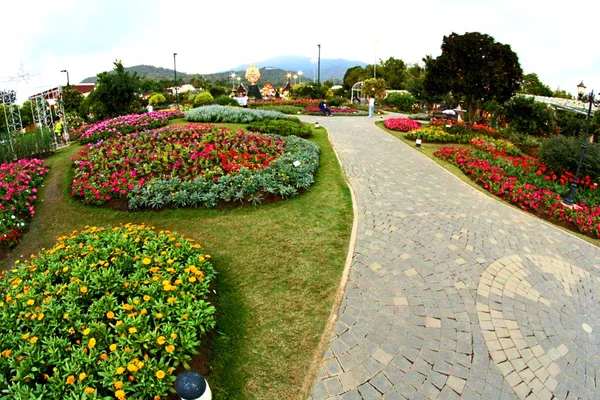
x: 175, y: 75
x: 233, y: 80
x: 570, y: 200
x: 295, y: 79
x: 289, y: 76
x: 300, y: 76
x: 319, y: 66
x: 64, y: 70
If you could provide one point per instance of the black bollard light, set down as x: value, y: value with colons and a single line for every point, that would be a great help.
x: 317, y: 124
x: 190, y: 385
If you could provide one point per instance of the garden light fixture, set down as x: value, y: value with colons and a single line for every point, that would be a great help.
x: 300, y: 76
x: 190, y: 385
x: 64, y: 70
x: 418, y: 142
x: 175, y: 75
x: 317, y: 124
x: 580, y: 90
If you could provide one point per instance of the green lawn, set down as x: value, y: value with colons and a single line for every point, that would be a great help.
x: 428, y: 149
x: 279, y: 268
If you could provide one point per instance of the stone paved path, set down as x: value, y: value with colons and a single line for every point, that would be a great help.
x: 452, y: 294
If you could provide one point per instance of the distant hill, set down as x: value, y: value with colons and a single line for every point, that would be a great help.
x: 273, y: 70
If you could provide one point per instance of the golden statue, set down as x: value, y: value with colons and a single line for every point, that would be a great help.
x: 252, y: 74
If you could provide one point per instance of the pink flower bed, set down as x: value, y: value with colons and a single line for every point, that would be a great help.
x: 402, y: 124
x: 127, y: 124
x: 18, y: 192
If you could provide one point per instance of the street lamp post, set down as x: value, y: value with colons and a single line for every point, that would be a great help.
x: 64, y: 70
x: 289, y: 76
x: 175, y: 75
x: 570, y: 200
x: 295, y: 79
x: 319, y: 67
x: 300, y: 76
x: 233, y: 80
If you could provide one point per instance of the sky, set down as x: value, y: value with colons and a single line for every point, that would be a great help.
x: 552, y: 39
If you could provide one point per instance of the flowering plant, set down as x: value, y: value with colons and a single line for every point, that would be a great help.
x: 105, y: 313
x: 314, y: 109
x: 127, y: 124
x: 18, y: 186
x: 401, y: 124
x: 216, y: 113
x: 437, y: 134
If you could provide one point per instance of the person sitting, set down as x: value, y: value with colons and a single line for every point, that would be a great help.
x: 324, y: 109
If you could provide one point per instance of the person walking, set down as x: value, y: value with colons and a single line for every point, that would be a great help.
x: 58, y: 129
x: 371, y: 106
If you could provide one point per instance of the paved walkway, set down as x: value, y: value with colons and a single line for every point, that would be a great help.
x: 452, y: 294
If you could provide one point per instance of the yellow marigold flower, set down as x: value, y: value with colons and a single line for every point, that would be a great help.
x: 86, y: 332
x: 146, y: 298
x: 185, y: 316
x: 136, y: 302
x: 158, y: 315
x: 118, y: 385
x: 119, y: 323
x: 192, y: 279
x: 33, y: 340
x: 173, y: 335
x: 170, y: 348
x: 25, y: 336
x: 133, y: 330
x: 83, y: 289
x: 160, y: 374
x: 92, y: 343
x: 127, y: 307
x: 110, y: 315
x: 126, y: 284
x: 104, y: 356
x: 89, y: 390
x: 144, y: 311
x: 70, y: 380
x: 30, y: 302
x: 82, y: 376
x: 161, y: 340
x: 171, y: 300
x: 132, y: 368
x: 146, y: 261
x: 120, y: 370
x: 40, y: 316
x: 112, y: 347
x: 119, y: 394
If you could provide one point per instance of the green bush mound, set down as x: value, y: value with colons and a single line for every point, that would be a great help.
x: 216, y: 113
x: 291, y: 110
x: 203, y: 99
x: 401, y: 101
x: 281, y: 127
x: 559, y: 152
x: 105, y: 313
x: 226, y: 101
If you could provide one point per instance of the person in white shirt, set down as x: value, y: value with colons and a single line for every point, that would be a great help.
x: 149, y: 108
x: 371, y: 106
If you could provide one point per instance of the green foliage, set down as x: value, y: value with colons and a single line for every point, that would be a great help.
x: 26, y: 114
x: 226, y: 101
x: 401, y: 101
x: 420, y: 117
x: 217, y: 90
x: 281, y: 127
x: 280, y: 178
x: 72, y: 99
x: 531, y: 84
x: 337, y: 101
x: 475, y: 68
x: 156, y: 99
x: 203, y: 99
x: 115, y: 94
x: 354, y: 75
x: 563, y: 94
x: 437, y: 134
x: 374, y: 87
x: 291, y: 110
x: 74, y: 319
x: 570, y: 123
x: 560, y: 152
x: 217, y: 113
x: 309, y: 90
x: 36, y: 144
x: 528, y: 116
x: 394, y: 72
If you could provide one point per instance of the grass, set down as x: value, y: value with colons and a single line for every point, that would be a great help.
x: 428, y: 149
x: 279, y: 268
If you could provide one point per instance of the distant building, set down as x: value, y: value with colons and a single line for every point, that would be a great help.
x: 182, y: 89
x: 51, y: 94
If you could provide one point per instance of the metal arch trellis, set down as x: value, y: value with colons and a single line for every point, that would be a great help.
x: 42, y: 110
x: 12, y: 114
x: 357, y: 87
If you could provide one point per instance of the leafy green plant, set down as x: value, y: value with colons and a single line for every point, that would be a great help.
x: 104, y: 313
x: 156, y: 99
x: 282, y: 127
x: 420, y: 117
x: 217, y: 113
x: 560, y: 152
x: 401, y: 101
x: 337, y: 101
x: 37, y: 144
x: 203, y: 99
x: 226, y: 101
x: 528, y: 116
x: 290, y: 110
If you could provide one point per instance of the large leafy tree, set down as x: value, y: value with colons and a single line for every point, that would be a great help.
x: 354, y: 75
x: 476, y: 69
x: 531, y: 84
x: 374, y: 86
x: 116, y: 93
x: 72, y: 98
x: 393, y: 70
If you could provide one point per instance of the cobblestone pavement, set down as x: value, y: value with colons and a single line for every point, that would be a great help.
x: 452, y: 294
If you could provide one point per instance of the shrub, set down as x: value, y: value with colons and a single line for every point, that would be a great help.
x: 528, y: 116
x: 156, y: 99
x: 337, y: 101
x: 281, y: 127
x: 74, y: 121
x: 401, y: 124
x: 230, y: 114
x: 420, y: 117
x: 203, y: 99
x: 560, y: 152
x: 36, y: 144
x: 437, y: 134
x: 401, y: 101
x: 106, y: 311
x: 226, y: 101
x: 570, y: 123
x: 290, y: 110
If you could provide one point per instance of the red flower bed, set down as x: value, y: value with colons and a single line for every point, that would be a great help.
x: 402, y: 124
x: 18, y: 192
x: 114, y: 167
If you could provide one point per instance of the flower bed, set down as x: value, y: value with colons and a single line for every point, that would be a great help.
x: 314, y: 109
x: 138, y: 165
x: 401, y: 124
x: 284, y: 102
x: 18, y: 192
x: 437, y: 134
x: 238, y: 115
x: 106, y: 312
x: 127, y: 124
x: 527, y: 183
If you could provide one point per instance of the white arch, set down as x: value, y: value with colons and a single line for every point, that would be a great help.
x: 357, y: 87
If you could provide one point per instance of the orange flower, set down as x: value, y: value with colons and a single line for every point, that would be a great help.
x: 33, y: 340
x: 160, y: 374
x: 89, y: 390
x: 170, y: 348
x: 120, y: 394
x: 82, y: 376
x: 161, y: 340
x: 104, y: 356
x: 118, y: 384
x: 132, y: 368
x: 173, y: 335
x: 159, y: 315
x: 83, y: 289
x: 120, y: 370
x: 92, y: 343
x: 70, y: 380
x: 110, y: 315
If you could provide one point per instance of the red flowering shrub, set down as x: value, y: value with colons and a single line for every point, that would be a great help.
x: 401, y: 124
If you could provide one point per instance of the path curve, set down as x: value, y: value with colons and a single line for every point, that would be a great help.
x: 452, y: 294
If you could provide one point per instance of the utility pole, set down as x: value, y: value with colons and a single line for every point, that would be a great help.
x: 175, y: 73
x: 319, y: 67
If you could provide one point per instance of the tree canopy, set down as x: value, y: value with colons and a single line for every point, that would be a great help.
x: 531, y: 84
x: 476, y: 69
x: 115, y: 94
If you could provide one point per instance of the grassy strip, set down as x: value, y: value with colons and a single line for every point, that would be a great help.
x: 279, y: 267
x: 428, y: 149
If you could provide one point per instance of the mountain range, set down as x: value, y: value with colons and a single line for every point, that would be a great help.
x: 273, y: 70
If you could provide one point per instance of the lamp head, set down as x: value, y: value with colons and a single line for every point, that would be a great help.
x: 581, y: 89
x: 63, y: 70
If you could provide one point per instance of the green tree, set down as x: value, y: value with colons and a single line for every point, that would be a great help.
x: 203, y: 99
x: 475, y: 68
x: 526, y: 115
x: 374, y: 86
x: 354, y: 75
x: 394, y: 71
x: 27, y: 113
x: 563, y: 94
x: 531, y: 84
x: 156, y: 99
x: 198, y: 82
x: 72, y: 98
x: 115, y: 94
x: 150, y: 86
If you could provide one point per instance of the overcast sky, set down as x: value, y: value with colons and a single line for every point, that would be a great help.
x: 40, y: 38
